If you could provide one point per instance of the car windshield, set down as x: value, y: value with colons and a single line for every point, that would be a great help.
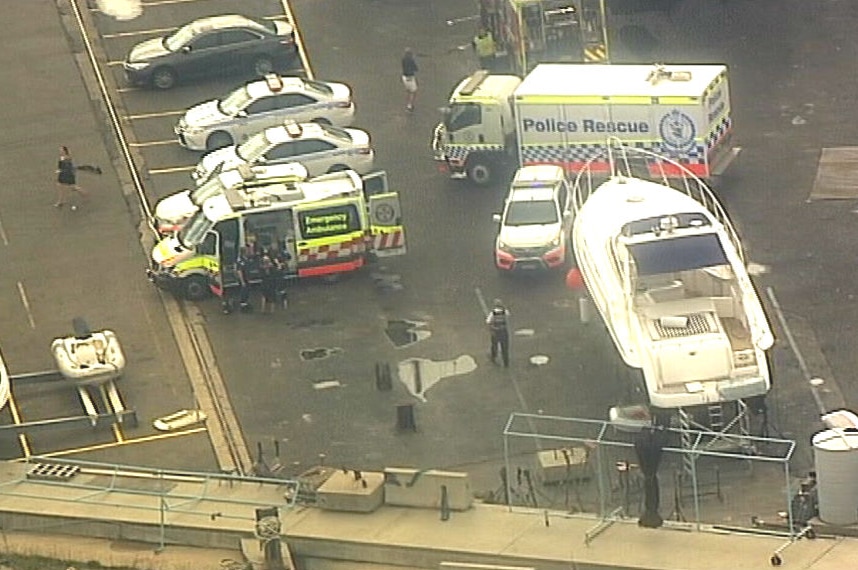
x: 318, y: 87
x: 532, y: 212
x: 234, y: 102
x: 254, y: 147
x: 179, y: 38
x: 337, y: 133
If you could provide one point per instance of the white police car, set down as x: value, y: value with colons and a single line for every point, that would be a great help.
x: 535, y: 223
x: 320, y: 148
x: 262, y: 104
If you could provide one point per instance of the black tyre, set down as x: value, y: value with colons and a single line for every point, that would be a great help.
x: 338, y: 168
x: 263, y: 65
x: 480, y: 173
x: 195, y: 288
x: 218, y: 139
x: 321, y: 121
x: 163, y: 78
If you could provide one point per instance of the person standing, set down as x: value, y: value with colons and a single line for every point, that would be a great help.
x: 66, y: 178
x: 484, y: 45
x: 270, y: 282
x: 409, y: 78
x: 242, y: 270
x: 498, y: 323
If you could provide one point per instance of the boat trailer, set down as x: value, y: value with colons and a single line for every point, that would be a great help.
x: 92, y: 362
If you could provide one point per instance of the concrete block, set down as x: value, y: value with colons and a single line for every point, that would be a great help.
x: 567, y: 464
x: 406, y: 487
x: 343, y: 491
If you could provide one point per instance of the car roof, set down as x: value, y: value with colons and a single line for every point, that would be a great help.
x: 225, y: 21
x: 281, y: 133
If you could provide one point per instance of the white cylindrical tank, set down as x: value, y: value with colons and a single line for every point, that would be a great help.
x: 835, y: 453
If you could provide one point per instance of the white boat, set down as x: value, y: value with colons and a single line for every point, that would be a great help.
x: 5, y: 385
x: 89, y: 358
x: 666, y: 271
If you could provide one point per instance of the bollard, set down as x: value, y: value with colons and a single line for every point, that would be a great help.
x: 405, y: 417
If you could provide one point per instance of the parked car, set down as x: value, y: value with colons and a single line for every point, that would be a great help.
x: 320, y: 148
x: 214, y: 45
x: 261, y: 104
x: 535, y: 223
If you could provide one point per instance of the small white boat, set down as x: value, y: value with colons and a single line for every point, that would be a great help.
x: 89, y: 357
x: 5, y: 386
x: 666, y: 271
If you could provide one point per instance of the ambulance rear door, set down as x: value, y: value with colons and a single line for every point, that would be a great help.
x: 385, y: 219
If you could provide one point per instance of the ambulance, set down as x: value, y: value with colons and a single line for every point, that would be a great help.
x: 565, y: 114
x: 173, y: 211
x: 325, y: 226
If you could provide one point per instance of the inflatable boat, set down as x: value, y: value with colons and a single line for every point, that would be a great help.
x: 89, y: 357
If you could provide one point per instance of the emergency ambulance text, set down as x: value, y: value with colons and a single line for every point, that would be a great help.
x: 327, y: 224
x: 586, y: 126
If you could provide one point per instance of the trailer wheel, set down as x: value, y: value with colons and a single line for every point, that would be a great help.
x: 480, y: 173
x: 195, y: 288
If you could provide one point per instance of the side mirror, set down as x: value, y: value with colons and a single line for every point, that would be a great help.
x: 242, y: 113
x: 186, y: 49
x: 496, y: 218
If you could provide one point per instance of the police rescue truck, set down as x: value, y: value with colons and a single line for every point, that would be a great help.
x: 324, y: 226
x: 564, y: 114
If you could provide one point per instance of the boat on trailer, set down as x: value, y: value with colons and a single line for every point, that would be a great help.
x: 666, y: 271
x: 88, y: 357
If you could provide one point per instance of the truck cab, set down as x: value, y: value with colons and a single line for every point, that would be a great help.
x: 478, y: 129
x: 534, y: 226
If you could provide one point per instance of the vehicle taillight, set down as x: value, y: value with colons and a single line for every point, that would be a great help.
x: 288, y: 41
x: 364, y: 150
x: 344, y: 104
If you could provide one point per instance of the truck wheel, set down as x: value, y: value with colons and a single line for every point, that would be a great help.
x: 195, y: 288
x: 480, y: 173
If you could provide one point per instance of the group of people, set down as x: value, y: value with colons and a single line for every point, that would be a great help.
x: 271, y: 266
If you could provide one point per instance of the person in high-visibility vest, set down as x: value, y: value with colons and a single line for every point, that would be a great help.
x: 484, y: 45
x: 498, y: 323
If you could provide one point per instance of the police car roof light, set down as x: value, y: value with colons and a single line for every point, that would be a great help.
x: 474, y: 82
x: 293, y: 129
x: 274, y: 82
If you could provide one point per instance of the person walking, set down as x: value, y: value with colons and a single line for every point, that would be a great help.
x: 409, y: 78
x: 484, y: 45
x: 66, y: 178
x: 498, y: 323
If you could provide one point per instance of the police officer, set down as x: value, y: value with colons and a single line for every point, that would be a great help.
x: 498, y: 323
x: 484, y: 45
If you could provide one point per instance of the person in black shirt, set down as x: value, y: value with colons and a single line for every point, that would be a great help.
x: 409, y: 78
x: 66, y: 178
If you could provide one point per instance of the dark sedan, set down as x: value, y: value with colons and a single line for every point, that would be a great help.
x: 209, y: 46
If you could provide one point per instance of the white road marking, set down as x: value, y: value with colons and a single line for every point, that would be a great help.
x: 26, y: 303
x: 154, y: 115
x: 153, y: 143
x: 3, y: 234
x: 170, y: 170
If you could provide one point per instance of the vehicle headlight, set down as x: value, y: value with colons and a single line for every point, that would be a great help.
x: 190, y: 129
x: 137, y: 65
x: 502, y: 246
x: 555, y: 242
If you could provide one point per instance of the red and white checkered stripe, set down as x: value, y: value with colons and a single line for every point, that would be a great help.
x: 388, y: 240
x: 334, y: 251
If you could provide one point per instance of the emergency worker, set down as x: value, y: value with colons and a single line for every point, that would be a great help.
x: 498, y: 323
x: 484, y: 45
x: 242, y: 270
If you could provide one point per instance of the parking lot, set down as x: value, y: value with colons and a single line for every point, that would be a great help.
x: 306, y: 378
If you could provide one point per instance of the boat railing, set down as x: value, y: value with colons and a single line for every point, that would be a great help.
x: 630, y: 162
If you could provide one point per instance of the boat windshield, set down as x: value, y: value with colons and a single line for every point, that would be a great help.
x: 531, y: 212
x: 678, y: 254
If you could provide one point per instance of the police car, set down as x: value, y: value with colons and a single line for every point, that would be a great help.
x: 262, y: 104
x: 535, y: 223
x: 320, y: 148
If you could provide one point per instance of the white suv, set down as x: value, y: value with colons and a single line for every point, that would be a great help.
x: 262, y: 104
x: 320, y: 148
x: 535, y: 223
